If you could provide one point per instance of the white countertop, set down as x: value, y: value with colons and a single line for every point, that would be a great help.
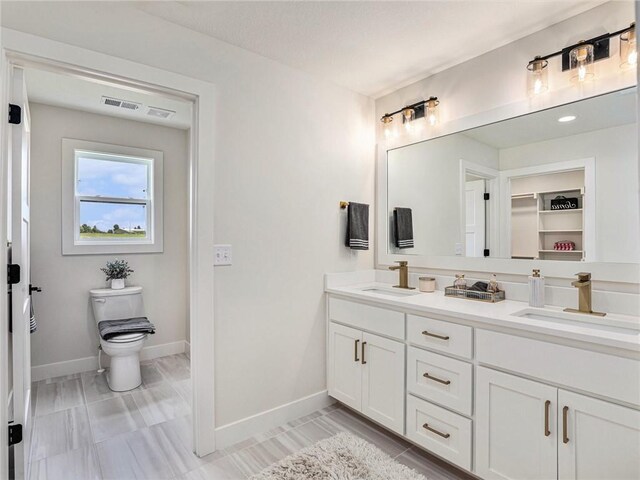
x: 501, y: 314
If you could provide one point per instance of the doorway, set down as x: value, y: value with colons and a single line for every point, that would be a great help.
x: 199, y: 227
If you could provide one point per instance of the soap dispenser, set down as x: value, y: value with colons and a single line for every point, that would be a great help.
x: 460, y: 282
x: 536, y: 289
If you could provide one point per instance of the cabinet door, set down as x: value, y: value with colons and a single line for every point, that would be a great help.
x: 516, y: 436
x: 597, y: 439
x: 344, y: 368
x: 383, y: 381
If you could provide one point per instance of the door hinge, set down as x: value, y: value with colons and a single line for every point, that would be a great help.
x: 486, y: 196
x: 13, y: 273
x: 15, y: 433
x: 15, y: 114
x: 486, y: 252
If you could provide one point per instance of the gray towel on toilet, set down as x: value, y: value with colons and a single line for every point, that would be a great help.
x: 403, y: 227
x: 358, y: 226
x: 112, y: 328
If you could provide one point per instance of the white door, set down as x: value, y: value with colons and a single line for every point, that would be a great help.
x: 345, y: 370
x: 20, y: 300
x: 598, y: 440
x: 383, y: 381
x: 516, y: 435
x: 474, y: 218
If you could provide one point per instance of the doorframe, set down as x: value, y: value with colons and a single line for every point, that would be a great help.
x: 492, y: 208
x: 31, y: 51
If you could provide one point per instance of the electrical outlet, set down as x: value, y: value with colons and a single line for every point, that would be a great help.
x: 458, y: 249
x: 222, y: 255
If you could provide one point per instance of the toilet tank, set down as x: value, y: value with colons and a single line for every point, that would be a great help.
x: 109, y: 304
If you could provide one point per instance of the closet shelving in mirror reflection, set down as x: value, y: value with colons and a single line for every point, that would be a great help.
x: 578, y: 59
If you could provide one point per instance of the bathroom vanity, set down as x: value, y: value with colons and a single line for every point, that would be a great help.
x: 501, y: 390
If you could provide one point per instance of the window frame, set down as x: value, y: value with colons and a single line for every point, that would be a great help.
x: 72, y: 243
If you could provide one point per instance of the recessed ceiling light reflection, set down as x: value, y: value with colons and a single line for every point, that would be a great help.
x: 568, y: 118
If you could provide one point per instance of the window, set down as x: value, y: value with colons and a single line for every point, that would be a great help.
x: 112, y: 199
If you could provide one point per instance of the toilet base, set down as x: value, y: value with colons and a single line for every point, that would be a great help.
x: 124, y: 373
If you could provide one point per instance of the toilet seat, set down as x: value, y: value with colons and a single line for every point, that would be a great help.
x: 127, y: 338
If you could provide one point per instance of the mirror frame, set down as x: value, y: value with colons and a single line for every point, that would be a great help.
x: 601, y: 271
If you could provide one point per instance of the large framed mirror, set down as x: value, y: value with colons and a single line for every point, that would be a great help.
x: 557, y: 189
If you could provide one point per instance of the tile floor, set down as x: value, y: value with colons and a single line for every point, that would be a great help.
x: 84, y: 431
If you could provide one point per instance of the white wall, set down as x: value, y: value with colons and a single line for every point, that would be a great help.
x: 616, y: 165
x: 426, y: 178
x: 66, y: 328
x: 289, y: 147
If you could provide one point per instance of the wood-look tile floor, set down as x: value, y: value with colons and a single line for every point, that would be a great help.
x: 84, y: 431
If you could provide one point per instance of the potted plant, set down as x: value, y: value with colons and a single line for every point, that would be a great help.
x: 117, y: 271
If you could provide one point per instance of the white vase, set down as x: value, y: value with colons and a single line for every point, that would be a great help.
x: 117, y: 283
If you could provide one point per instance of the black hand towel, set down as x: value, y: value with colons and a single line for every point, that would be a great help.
x: 403, y: 227
x: 358, y: 226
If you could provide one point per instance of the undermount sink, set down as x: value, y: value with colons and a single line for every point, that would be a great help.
x: 605, y: 324
x: 392, y: 293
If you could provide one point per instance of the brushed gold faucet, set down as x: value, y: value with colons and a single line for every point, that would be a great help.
x: 583, y: 284
x: 403, y: 272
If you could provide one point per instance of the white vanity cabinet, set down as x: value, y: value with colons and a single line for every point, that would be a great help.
x: 502, y: 404
x: 366, y: 372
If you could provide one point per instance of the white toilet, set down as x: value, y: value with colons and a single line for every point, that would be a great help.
x: 124, y: 350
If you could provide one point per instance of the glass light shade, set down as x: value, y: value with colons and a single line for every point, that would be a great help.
x: 581, y: 63
x: 628, y: 48
x: 388, y: 128
x: 538, y: 79
x: 408, y: 116
x: 431, y: 111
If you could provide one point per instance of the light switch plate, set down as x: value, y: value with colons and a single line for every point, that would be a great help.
x: 222, y: 255
x: 458, y: 249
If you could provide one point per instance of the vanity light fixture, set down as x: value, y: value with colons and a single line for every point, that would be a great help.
x: 579, y: 59
x: 567, y: 118
x: 427, y: 109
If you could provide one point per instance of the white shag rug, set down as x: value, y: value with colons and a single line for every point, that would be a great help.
x: 341, y: 457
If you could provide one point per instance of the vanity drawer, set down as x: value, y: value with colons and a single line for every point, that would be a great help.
x: 440, y: 431
x: 440, y: 379
x: 366, y: 317
x: 442, y: 336
x: 607, y: 375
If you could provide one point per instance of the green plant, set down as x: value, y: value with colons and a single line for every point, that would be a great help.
x: 117, y: 269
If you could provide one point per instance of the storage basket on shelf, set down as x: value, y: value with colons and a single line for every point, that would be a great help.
x: 563, y: 203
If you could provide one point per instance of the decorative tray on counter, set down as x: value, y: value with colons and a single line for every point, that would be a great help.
x: 474, y: 294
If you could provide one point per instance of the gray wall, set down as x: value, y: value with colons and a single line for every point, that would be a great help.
x: 66, y: 329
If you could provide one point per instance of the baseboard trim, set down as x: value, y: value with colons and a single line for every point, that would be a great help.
x: 79, y: 365
x: 235, y: 432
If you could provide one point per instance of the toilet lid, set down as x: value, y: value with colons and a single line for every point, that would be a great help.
x: 127, y: 337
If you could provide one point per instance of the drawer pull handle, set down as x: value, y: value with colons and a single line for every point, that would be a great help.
x: 547, y: 404
x: 436, y: 379
x: 364, y: 362
x: 443, y: 435
x: 565, y: 427
x: 355, y: 353
x: 435, y: 335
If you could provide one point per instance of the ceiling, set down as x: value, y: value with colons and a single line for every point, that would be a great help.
x: 369, y: 47
x: 76, y: 93
x: 605, y: 111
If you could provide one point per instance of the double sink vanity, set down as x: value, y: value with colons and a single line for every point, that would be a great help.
x: 501, y: 390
